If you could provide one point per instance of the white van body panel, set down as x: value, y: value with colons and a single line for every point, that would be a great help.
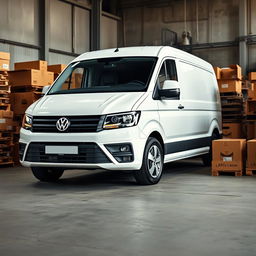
x: 182, y: 131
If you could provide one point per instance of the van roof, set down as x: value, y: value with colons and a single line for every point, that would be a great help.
x: 145, y: 51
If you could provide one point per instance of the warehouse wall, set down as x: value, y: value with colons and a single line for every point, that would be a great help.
x: 69, y: 30
x: 218, y: 21
x: 23, y: 29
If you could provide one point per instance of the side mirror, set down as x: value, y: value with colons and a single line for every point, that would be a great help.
x: 170, y: 90
x: 45, y: 89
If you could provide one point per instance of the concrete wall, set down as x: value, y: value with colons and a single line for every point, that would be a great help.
x: 218, y: 21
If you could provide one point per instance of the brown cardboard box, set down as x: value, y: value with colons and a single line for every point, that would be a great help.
x: 37, y: 64
x: 230, y: 86
x: 25, y: 77
x: 252, y: 76
x: 6, y: 124
x: 232, y: 130
x: 250, y: 107
x: 252, y: 92
x: 4, y: 65
x: 233, y: 72
x: 6, y: 114
x: 47, y: 77
x: 217, y: 71
x: 56, y: 68
x: 228, y: 154
x: 5, y: 55
x: 250, y: 130
x: 251, y: 154
x: 20, y: 101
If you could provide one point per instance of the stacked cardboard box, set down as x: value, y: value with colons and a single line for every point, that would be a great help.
x: 251, y: 159
x: 250, y: 107
x: 6, y: 115
x: 230, y: 87
x: 56, y: 69
x: 27, y: 81
x: 228, y: 155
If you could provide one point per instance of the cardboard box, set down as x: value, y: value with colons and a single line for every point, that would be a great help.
x: 230, y: 86
x: 4, y: 65
x: 250, y: 130
x: 38, y: 64
x: 56, y: 68
x: 6, y: 124
x: 251, y: 154
x: 250, y: 108
x: 217, y: 71
x: 252, y: 76
x: 228, y: 154
x: 47, y: 77
x: 251, y: 93
x: 232, y: 72
x: 25, y: 77
x: 5, y: 55
x: 6, y: 114
x: 20, y: 101
x: 232, y: 130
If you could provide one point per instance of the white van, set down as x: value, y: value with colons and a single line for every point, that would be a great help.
x: 132, y: 108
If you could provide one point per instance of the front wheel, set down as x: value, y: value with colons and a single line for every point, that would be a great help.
x: 152, y: 166
x: 47, y: 174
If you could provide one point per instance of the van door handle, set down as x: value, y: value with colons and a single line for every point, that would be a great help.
x: 180, y: 107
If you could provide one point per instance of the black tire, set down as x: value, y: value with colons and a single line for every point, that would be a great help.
x: 46, y: 174
x: 151, y: 170
x: 207, y: 158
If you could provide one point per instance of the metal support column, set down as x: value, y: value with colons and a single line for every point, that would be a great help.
x: 243, y: 51
x: 95, y: 24
x: 44, y: 29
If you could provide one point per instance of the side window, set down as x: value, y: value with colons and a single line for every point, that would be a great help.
x: 167, y: 72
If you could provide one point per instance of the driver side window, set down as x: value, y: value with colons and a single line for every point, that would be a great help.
x: 167, y: 72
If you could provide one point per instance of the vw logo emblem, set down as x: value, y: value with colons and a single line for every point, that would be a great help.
x: 62, y: 124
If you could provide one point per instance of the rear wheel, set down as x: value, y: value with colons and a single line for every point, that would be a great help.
x: 152, y: 166
x: 207, y: 158
x: 47, y: 174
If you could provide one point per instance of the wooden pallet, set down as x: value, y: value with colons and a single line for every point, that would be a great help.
x: 250, y: 172
x: 4, y: 100
x: 6, y: 107
x: 4, y: 94
x: 21, y: 88
x: 228, y: 94
x: 218, y: 172
x: 5, y: 88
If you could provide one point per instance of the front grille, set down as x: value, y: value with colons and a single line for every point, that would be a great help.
x: 87, y: 153
x: 77, y: 123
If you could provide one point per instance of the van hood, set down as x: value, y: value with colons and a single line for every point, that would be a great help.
x: 84, y: 104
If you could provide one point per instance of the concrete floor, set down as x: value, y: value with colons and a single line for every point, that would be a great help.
x: 106, y: 213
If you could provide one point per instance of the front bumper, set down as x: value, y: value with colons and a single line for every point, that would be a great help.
x: 132, y: 136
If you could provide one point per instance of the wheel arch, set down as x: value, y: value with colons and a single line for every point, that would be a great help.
x: 158, y: 136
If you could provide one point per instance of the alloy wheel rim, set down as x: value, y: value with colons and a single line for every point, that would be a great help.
x: 154, y: 161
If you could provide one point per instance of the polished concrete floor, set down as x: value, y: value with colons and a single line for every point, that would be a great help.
x: 106, y: 213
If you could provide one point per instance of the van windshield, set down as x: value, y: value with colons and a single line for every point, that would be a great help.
x: 127, y: 74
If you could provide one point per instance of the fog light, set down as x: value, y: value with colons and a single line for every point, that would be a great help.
x: 123, y: 153
x: 125, y: 148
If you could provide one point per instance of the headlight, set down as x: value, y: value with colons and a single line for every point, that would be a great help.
x: 27, y: 122
x: 122, y: 120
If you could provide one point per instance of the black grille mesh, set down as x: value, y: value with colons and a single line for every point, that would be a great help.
x: 87, y: 153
